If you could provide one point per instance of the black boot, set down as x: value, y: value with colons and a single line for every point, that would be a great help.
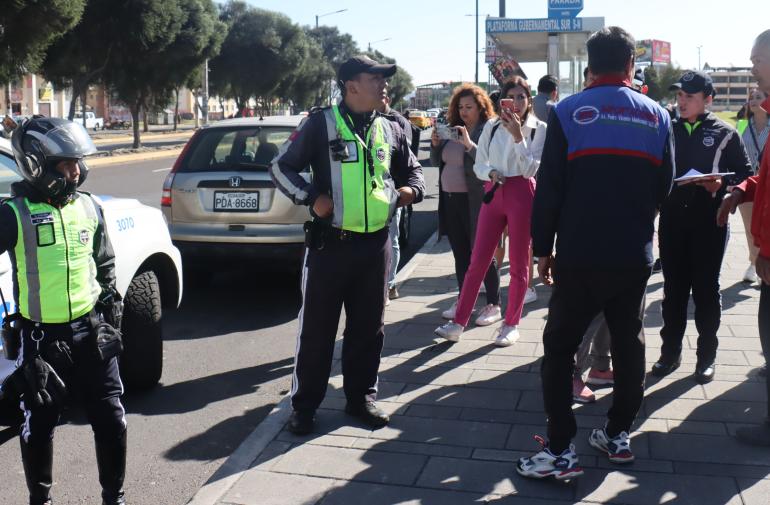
x: 38, y: 469
x: 111, y: 461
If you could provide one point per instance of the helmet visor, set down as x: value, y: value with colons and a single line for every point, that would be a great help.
x: 65, y: 141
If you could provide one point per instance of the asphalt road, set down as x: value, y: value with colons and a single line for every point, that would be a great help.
x: 227, y: 361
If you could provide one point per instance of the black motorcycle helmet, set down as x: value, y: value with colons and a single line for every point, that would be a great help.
x: 39, y: 143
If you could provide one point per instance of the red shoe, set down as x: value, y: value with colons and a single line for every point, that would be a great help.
x: 580, y: 392
x: 600, y: 377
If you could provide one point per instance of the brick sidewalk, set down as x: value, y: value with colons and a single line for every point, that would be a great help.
x: 463, y: 414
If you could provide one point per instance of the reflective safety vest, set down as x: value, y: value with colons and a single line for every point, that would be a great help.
x: 363, y: 190
x: 55, y: 268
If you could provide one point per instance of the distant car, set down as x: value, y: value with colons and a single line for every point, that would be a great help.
x: 219, y: 199
x: 92, y: 122
x: 433, y: 116
x: 420, y: 119
x: 148, y: 273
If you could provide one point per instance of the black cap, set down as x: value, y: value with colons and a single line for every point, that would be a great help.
x: 694, y: 81
x: 363, y: 64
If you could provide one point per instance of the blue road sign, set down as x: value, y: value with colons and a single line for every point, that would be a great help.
x: 564, y: 8
x: 549, y: 25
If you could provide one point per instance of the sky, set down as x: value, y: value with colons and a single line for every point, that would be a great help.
x: 434, y: 39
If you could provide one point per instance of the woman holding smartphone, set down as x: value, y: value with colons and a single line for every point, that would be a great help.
x: 507, y: 157
x: 460, y: 191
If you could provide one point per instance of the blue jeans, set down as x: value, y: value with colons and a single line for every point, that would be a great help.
x: 395, y: 254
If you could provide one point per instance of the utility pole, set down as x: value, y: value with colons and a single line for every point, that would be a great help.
x: 327, y: 14
x: 699, y: 48
x: 502, y: 8
x: 205, y: 105
x: 477, y: 42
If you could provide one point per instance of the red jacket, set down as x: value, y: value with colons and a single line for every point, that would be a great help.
x: 757, y: 189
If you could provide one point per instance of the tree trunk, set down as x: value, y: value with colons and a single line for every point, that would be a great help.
x: 83, y: 99
x: 8, y: 99
x: 73, y: 103
x: 135, y: 117
x: 176, y: 108
x: 144, y: 117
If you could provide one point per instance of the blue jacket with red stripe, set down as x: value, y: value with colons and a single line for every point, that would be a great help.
x: 607, y: 167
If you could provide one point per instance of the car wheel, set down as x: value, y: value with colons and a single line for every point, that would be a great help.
x: 141, y: 363
x: 405, y: 226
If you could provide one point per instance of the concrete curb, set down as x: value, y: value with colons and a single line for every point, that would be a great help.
x: 250, y: 449
x: 128, y: 158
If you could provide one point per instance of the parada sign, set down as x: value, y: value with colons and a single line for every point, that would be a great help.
x: 564, y: 8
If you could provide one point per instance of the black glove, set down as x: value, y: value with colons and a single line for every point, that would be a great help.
x: 39, y: 384
x: 110, y: 306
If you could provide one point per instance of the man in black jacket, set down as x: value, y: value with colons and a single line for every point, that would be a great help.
x: 605, y: 170
x: 691, y: 243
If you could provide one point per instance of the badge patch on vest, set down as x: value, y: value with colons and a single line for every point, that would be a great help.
x: 708, y: 141
x: 41, y: 218
x: 85, y: 236
x: 381, y: 154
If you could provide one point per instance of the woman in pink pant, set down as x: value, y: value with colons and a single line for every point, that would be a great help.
x: 507, y: 156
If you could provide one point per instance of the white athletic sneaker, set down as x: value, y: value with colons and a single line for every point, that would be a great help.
x: 450, y: 312
x: 618, y: 448
x: 750, y: 275
x: 489, y: 315
x: 530, y: 296
x: 545, y: 463
x: 507, y: 336
x: 450, y: 331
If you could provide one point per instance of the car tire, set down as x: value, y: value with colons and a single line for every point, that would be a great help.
x: 141, y: 364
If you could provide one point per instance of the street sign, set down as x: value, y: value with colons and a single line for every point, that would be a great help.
x: 550, y: 25
x: 564, y: 8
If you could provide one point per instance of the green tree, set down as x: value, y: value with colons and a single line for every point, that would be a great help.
x: 400, y: 84
x: 158, y: 45
x: 658, y: 81
x: 309, y: 84
x: 337, y: 47
x: 27, y: 28
x: 261, y: 51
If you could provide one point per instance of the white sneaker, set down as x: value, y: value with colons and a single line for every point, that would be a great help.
x: 530, y: 296
x: 507, y: 336
x: 450, y: 331
x: 750, y: 275
x: 450, y: 312
x: 545, y: 463
x: 489, y: 315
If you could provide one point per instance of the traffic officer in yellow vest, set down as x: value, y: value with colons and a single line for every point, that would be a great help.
x: 64, y: 288
x: 362, y: 171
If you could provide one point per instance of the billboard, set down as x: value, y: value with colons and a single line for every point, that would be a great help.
x: 653, y: 51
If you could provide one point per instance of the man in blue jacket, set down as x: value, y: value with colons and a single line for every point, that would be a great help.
x: 605, y: 171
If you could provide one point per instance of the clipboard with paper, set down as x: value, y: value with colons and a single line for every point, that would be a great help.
x: 694, y: 175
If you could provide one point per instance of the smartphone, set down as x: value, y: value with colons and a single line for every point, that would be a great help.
x: 507, y: 105
x: 446, y: 132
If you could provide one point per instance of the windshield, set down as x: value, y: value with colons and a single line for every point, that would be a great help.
x: 227, y: 149
x: 8, y: 174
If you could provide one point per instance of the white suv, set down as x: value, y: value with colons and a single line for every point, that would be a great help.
x: 148, y: 272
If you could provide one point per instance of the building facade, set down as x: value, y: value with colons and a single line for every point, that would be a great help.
x: 732, y: 85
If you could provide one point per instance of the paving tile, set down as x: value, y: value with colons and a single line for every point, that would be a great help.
x: 505, y: 379
x: 488, y: 477
x: 442, y: 431
x: 721, y: 470
x: 452, y: 396
x: 698, y: 410
x: 433, y: 411
x: 740, y: 392
x: 754, y: 492
x: 351, y: 464
x: 705, y: 448
x: 432, y: 449
x: 644, y: 488
x: 695, y: 427
x: 377, y: 494
x: 269, y: 488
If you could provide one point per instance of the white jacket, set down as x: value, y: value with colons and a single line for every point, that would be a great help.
x: 505, y: 155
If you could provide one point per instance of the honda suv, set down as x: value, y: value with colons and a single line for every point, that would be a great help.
x: 220, y: 202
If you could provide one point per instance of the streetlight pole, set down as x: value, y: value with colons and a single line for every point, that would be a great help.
x: 699, y: 48
x: 369, y: 44
x: 327, y: 14
x: 477, y: 42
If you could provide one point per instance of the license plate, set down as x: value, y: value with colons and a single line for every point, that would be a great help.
x: 236, y: 201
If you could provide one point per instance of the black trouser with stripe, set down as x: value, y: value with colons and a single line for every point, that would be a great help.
x: 350, y: 273
x: 578, y: 296
x: 691, y: 250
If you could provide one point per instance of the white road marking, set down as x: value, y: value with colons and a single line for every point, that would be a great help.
x: 162, y: 169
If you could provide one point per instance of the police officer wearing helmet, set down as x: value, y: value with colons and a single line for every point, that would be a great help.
x: 362, y: 171
x: 692, y: 245
x: 64, y: 273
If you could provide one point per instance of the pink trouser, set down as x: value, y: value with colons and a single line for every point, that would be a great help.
x: 512, y: 207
